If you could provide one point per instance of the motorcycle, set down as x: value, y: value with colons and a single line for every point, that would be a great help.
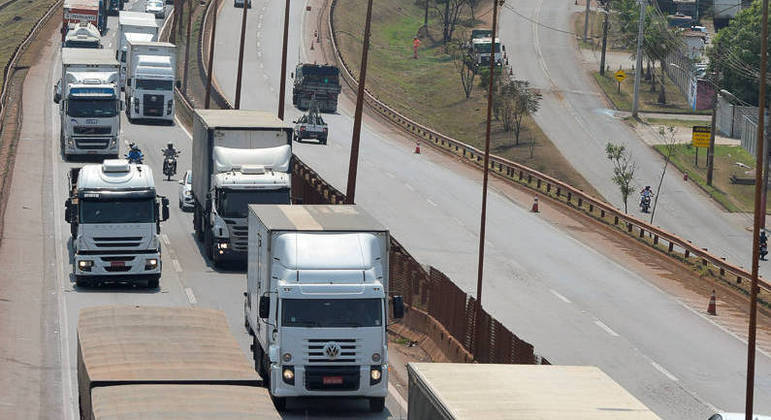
x: 645, y: 203
x: 170, y: 164
x: 135, y: 156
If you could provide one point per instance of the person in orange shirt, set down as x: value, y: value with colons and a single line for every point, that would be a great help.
x: 415, y: 45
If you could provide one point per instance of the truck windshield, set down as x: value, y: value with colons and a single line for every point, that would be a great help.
x: 81, y: 44
x: 485, y: 48
x: 117, y: 211
x: 92, y: 108
x: 331, y: 313
x: 154, y: 84
x: 235, y: 203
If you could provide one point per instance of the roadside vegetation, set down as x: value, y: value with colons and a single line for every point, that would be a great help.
x: 676, y: 102
x: 430, y: 89
x: 18, y: 17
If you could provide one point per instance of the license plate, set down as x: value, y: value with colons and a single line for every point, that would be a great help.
x: 92, y: 152
x: 117, y: 263
x: 333, y: 380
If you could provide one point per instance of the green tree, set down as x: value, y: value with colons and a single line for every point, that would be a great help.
x: 623, y: 169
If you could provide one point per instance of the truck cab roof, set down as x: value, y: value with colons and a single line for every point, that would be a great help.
x: 316, y: 218
x: 240, y: 119
x: 115, y: 174
x: 126, y: 17
x: 88, y: 57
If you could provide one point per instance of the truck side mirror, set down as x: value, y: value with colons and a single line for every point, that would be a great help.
x: 128, y: 82
x: 291, y: 75
x: 117, y: 55
x: 264, y: 308
x: 68, y: 210
x: 57, y: 97
x: 122, y: 105
x: 165, y: 209
x: 398, y: 307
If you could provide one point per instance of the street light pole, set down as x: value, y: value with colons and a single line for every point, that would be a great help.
x: 586, y: 20
x: 638, y: 66
x: 240, y: 73
x: 187, y: 42
x: 604, y: 38
x: 211, y: 55
x: 353, y: 165
x: 282, y: 89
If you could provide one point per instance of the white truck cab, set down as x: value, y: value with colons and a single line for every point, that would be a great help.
x: 482, y: 47
x: 138, y: 27
x: 150, y: 78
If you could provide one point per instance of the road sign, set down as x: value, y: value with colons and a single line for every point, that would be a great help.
x: 620, y: 76
x: 700, y: 136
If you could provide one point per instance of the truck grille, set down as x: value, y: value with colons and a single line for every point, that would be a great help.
x: 118, y: 242
x: 240, y: 237
x: 153, y: 105
x: 86, y: 130
x: 316, y: 352
x: 91, y: 143
x: 314, y: 378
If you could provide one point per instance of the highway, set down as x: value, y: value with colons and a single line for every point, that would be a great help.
x: 576, y: 305
x: 32, y: 236
x: 574, y: 115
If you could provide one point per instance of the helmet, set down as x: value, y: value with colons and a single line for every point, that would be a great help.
x: 647, y: 187
x: 170, y: 145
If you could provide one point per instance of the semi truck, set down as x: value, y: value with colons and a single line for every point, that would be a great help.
x: 82, y: 35
x: 239, y: 158
x: 91, y: 11
x: 138, y: 27
x: 152, y: 362
x: 89, y: 103
x: 115, y: 217
x: 481, y: 49
x: 316, y: 82
x: 151, y: 72
x: 317, y: 301
x: 444, y: 391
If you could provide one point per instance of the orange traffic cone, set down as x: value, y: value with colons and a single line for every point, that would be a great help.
x: 417, y: 147
x: 712, y: 307
x: 534, y: 209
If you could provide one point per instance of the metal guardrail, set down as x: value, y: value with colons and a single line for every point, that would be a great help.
x: 662, y: 240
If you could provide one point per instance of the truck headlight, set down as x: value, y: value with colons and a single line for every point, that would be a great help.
x: 169, y: 106
x: 85, y: 265
x: 151, y: 264
x: 288, y: 374
x: 71, y: 142
x: 136, y: 105
x: 287, y: 357
x: 222, y: 245
x: 375, y: 374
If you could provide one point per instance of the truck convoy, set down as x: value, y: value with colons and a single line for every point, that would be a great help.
x: 91, y: 11
x: 82, y: 35
x: 136, y: 26
x: 115, y: 219
x: 313, y: 81
x: 151, y: 72
x: 146, y: 362
x: 239, y: 158
x: 89, y: 102
x: 317, y: 301
x: 443, y: 391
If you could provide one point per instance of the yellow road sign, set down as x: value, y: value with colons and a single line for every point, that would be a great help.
x: 700, y: 136
x: 620, y: 75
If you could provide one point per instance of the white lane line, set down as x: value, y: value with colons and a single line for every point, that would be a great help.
x: 409, y: 187
x: 664, y: 371
x: 458, y: 221
x: 165, y: 239
x: 190, y: 296
x: 390, y: 175
x: 606, y: 328
x: 559, y: 296
x: 428, y: 200
x: 177, y: 266
x: 397, y: 397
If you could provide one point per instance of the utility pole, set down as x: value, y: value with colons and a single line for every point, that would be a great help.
x: 187, y: 41
x: 446, y: 36
x: 748, y: 409
x: 240, y: 73
x: 211, y: 56
x: 173, y: 34
x: 606, y: 6
x: 638, y: 66
x: 425, y: 18
x: 711, y: 150
x: 353, y: 165
x: 586, y: 20
x: 764, y: 193
x: 483, y: 222
x: 282, y: 88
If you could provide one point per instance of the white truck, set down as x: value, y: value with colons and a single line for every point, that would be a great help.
x: 239, y: 158
x: 137, y: 26
x: 89, y: 102
x: 317, y: 301
x: 151, y: 72
x: 115, y: 219
x: 481, y: 49
x: 82, y: 35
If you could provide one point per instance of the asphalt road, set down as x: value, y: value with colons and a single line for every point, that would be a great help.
x: 40, y: 351
x: 574, y: 115
x: 574, y: 304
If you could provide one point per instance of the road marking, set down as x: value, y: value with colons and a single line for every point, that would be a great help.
x: 190, y: 295
x: 409, y: 187
x: 179, y: 124
x: 399, y: 399
x: 165, y: 239
x: 606, y: 328
x: 458, y: 221
x: 428, y: 200
x: 664, y: 371
x: 177, y: 266
x: 258, y: 44
x: 559, y: 296
x: 390, y: 175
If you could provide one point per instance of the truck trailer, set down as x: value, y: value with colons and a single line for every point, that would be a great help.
x: 316, y: 82
x: 146, y: 362
x: 151, y: 68
x: 139, y: 25
x: 115, y: 220
x: 91, y: 11
x: 239, y: 158
x: 458, y: 391
x: 317, y: 301
x: 89, y: 103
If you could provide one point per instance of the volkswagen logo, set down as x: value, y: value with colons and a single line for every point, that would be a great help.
x: 332, y: 350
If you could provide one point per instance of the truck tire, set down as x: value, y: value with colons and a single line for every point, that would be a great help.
x: 279, y: 403
x: 376, y: 405
x: 154, y: 282
x: 197, y: 224
x: 211, y: 251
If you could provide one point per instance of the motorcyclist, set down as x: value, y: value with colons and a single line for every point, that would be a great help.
x: 646, y: 193
x: 169, y: 151
x: 134, y: 154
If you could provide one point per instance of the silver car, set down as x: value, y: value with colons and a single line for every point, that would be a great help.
x: 156, y: 7
x: 186, y: 191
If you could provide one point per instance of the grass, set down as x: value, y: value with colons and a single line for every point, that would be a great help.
x: 429, y: 90
x: 676, y: 102
x: 17, y: 19
x: 674, y: 122
x: 734, y: 197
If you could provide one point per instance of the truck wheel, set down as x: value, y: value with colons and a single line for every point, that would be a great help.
x: 81, y: 281
x: 197, y: 225
x: 376, y: 405
x: 324, y: 141
x: 154, y: 282
x: 279, y: 403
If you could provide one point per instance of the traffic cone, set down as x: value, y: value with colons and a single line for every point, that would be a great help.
x: 534, y: 209
x: 311, y: 45
x: 417, y: 147
x: 712, y: 307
